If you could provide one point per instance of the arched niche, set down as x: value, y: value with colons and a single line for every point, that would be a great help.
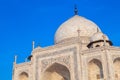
x: 95, y: 70
x: 116, y: 64
x: 23, y: 76
x: 56, y: 72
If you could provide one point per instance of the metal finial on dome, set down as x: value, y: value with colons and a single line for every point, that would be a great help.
x: 75, y: 10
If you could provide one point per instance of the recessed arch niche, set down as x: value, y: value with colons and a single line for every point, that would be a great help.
x: 23, y: 76
x: 116, y: 64
x: 56, y: 72
x: 95, y: 70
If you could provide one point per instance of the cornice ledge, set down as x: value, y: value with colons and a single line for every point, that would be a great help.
x: 23, y: 64
x: 92, y: 50
x: 52, y: 47
x: 113, y: 48
x: 100, y: 49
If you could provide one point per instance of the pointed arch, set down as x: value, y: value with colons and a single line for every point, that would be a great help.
x: 56, y: 72
x: 23, y: 76
x: 116, y: 64
x: 95, y: 70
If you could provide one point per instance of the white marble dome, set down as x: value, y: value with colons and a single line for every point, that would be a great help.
x: 69, y: 28
x: 98, y: 36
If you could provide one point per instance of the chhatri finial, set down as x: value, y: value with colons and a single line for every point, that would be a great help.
x: 33, y: 45
x: 26, y: 59
x: 104, y: 38
x: 15, y: 59
x: 75, y: 10
x: 97, y: 30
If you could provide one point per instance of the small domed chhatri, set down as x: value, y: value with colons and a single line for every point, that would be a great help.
x: 69, y: 28
x: 98, y: 36
x: 99, y: 39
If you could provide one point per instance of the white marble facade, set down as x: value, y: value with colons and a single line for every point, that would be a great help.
x: 81, y: 52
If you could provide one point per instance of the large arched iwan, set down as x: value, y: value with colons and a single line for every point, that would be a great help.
x: 56, y: 72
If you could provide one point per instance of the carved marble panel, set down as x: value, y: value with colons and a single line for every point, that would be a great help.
x: 65, y: 60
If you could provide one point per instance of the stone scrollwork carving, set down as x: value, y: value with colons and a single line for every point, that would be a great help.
x: 91, y: 58
x: 65, y: 60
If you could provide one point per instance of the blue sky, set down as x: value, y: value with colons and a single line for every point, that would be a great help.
x: 22, y: 21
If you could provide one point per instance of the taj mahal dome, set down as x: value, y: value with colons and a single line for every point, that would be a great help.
x: 81, y: 51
